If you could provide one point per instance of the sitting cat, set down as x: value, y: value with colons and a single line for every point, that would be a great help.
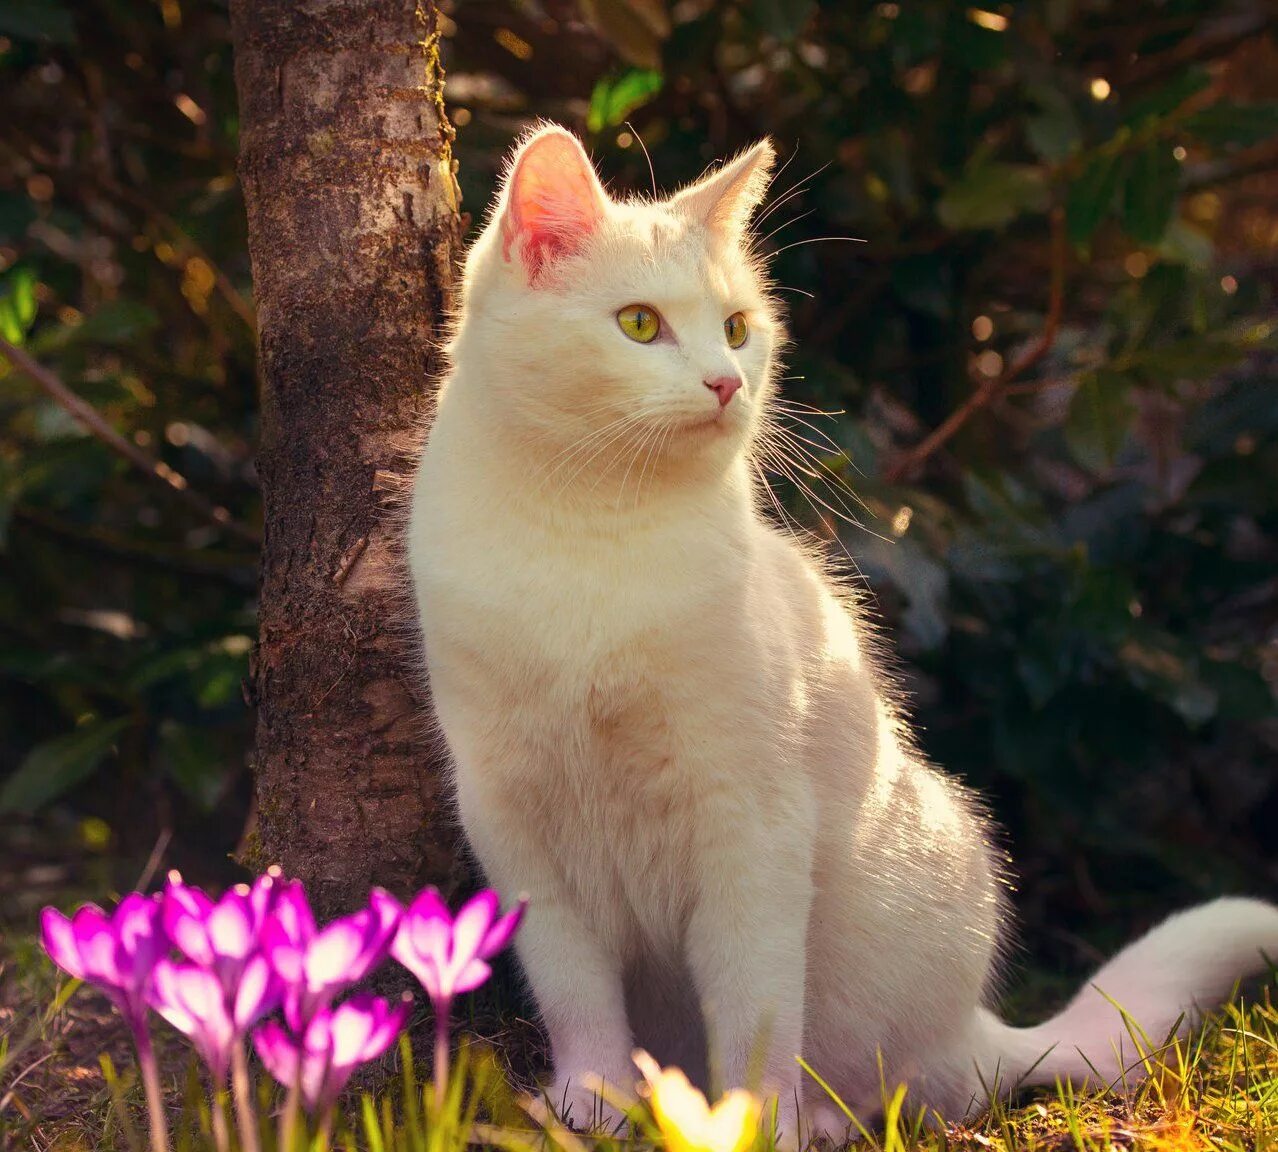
x: 668, y: 722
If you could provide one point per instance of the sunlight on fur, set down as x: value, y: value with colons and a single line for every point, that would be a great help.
x: 667, y: 716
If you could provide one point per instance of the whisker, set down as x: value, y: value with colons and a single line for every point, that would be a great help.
x: 776, y: 440
x: 786, y: 224
x: 652, y: 175
x: 649, y: 432
x: 819, y: 240
x: 654, y: 455
x: 785, y: 403
x: 795, y: 189
x: 577, y: 444
x: 607, y: 434
x: 622, y: 432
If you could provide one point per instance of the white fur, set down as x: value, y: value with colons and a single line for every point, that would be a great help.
x: 665, y: 717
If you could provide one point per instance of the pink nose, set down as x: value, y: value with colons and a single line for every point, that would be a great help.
x: 725, y: 387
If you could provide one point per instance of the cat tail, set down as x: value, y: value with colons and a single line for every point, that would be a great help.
x: 1155, y: 988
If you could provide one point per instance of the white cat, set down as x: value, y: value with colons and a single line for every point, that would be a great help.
x: 666, y: 719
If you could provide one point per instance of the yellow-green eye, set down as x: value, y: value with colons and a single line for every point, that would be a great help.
x: 734, y: 328
x: 639, y: 322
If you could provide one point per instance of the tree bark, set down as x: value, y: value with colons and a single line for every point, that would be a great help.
x: 353, y: 230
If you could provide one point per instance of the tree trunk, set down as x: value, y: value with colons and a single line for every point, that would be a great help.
x: 353, y: 230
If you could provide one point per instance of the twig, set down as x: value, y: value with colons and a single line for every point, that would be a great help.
x: 996, y: 386
x: 1243, y: 29
x: 235, y: 569
x: 89, y: 416
x: 153, y: 861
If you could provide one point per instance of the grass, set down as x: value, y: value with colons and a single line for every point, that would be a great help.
x: 67, y: 1083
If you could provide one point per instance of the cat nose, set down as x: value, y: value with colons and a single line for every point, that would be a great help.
x: 724, y: 387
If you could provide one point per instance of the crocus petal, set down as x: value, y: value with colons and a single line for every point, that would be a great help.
x: 136, y: 923
x: 284, y: 953
x: 470, y: 977
x: 59, y: 940
x: 192, y: 1000
x: 429, y: 936
x: 292, y: 913
x: 263, y: 894
x: 230, y: 926
x: 278, y: 1052
x: 499, y: 934
x: 97, y: 945
x: 257, y: 994
x: 360, y: 1030
x: 333, y: 954
x: 386, y: 910
x: 391, y: 1022
x: 184, y: 913
x: 423, y: 967
x: 472, y: 924
x: 163, y: 997
x: 351, y: 1026
x: 429, y: 905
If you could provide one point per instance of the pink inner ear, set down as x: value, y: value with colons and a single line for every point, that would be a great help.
x: 555, y: 202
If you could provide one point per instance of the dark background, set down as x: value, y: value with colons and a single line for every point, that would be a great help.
x: 1081, y: 584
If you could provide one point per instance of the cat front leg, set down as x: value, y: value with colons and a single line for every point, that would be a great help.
x: 747, y: 947
x: 576, y: 977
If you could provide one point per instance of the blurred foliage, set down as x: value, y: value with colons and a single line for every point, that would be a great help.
x: 1070, y: 216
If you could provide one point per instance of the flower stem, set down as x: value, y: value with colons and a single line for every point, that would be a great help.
x: 151, y: 1083
x: 442, y: 1014
x: 245, y: 1116
x: 288, y: 1118
x: 217, y: 1112
x: 325, y: 1134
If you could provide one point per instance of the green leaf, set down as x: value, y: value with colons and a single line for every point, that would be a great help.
x: 21, y: 286
x: 991, y: 194
x: 53, y: 768
x: 1168, y: 98
x: 1054, y: 132
x: 1099, y: 416
x: 10, y: 326
x: 40, y: 20
x: 1091, y: 197
x: 1228, y: 125
x: 193, y: 761
x: 615, y: 97
x: 1149, y: 193
x: 119, y: 322
x: 1183, y: 243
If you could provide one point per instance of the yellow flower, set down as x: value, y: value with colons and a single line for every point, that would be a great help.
x: 686, y: 1119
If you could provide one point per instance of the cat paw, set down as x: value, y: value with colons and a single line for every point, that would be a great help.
x: 825, y: 1124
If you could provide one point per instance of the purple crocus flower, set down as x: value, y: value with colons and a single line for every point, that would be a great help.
x: 118, y: 953
x: 336, y: 1042
x: 316, y: 964
x: 195, y: 1001
x: 449, y: 954
x: 219, y: 935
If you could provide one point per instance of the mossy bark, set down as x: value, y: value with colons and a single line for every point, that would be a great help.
x: 353, y: 231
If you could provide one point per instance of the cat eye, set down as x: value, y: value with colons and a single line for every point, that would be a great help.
x: 639, y: 322
x: 735, y: 329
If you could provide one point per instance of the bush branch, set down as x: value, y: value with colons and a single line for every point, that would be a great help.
x: 995, y: 387
x: 93, y: 420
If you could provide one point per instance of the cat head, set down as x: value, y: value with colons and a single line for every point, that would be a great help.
x: 624, y: 331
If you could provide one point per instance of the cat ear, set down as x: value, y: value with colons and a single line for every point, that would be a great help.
x: 553, y: 200
x: 725, y: 200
